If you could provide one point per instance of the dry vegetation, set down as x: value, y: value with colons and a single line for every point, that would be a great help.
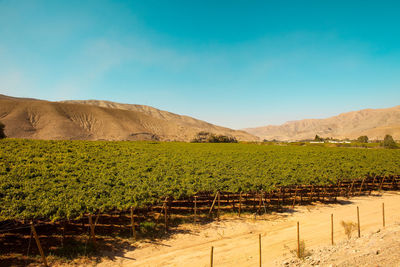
x: 348, y: 227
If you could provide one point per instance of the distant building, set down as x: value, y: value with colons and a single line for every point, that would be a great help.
x: 330, y: 141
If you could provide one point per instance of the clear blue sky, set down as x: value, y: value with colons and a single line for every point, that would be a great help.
x: 233, y: 63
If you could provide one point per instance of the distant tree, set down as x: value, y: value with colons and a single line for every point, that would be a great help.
x: 317, y: 138
x: 221, y: 139
x: 2, y: 134
x: 363, y: 139
x: 388, y: 142
x: 206, y: 137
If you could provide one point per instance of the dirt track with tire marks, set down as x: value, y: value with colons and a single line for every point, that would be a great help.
x: 235, y: 240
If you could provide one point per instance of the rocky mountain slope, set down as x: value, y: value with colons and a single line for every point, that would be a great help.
x: 375, y: 123
x: 100, y: 120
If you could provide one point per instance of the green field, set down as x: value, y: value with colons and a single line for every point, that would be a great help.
x: 63, y: 179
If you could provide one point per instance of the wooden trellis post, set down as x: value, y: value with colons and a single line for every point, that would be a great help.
x: 64, y: 226
x: 254, y: 201
x: 166, y: 214
x: 267, y: 199
x: 92, y: 234
x: 279, y: 197
x: 383, y: 180
x: 219, y: 204
x: 358, y: 222
x: 264, y: 199
x: 351, y: 189
x: 332, y: 229
x: 133, y: 224
x: 338, y: 190
x: 240, y: 203
x: 212, y: 256
x: 362, y: 184
x: 38, y: 244
x: 312, y: 193
x: 383, y: 214
x: 393, y: 181
x: 301, y: 195
x: 298, y: 239
x: 213, y: 203
x: 195, y: 208
x: 259, y: 244
x: 373, y: 185
x: 323, y: 194
x: 233, y: 203
x: 29, y: 244
x: 294, y: 198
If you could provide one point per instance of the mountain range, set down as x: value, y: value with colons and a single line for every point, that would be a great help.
x: 374, y: 123
x: 105, y: 120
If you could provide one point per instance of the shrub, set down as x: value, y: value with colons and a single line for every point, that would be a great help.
x: 148, y: 227
x: 349, y: 227
x: 303, y: 251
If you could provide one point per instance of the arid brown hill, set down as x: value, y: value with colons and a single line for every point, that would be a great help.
x: 374, y: 123
x: 100, y: 120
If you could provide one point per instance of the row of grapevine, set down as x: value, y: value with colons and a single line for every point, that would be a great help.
x: 54, y: 180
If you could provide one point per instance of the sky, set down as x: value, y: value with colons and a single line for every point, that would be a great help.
x: 232, y: 63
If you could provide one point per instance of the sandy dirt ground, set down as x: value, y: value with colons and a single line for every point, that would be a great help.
x: 235, y: 241
x: 380, y: 248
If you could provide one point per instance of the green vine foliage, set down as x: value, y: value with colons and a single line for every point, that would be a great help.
x: 54, y: 180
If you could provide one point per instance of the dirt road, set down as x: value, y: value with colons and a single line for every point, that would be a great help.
x: 235, y: 240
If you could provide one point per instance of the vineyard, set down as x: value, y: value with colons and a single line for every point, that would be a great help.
x: 67, y: 189
x: 52, y: 180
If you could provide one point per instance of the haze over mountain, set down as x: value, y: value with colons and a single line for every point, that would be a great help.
x: 374, y: 123
x: 100, y: 120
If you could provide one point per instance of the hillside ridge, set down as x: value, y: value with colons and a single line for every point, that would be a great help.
x: 100, y: 120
